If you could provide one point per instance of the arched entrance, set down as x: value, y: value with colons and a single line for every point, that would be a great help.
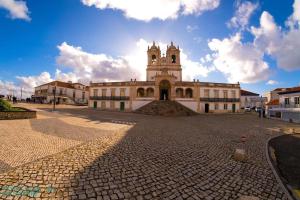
x: 164, y: 90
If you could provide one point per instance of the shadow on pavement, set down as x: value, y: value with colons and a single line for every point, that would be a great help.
x: 287, y: 152
x: 172, y: 159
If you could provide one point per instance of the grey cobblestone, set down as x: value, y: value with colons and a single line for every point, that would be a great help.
x: 158, y: 158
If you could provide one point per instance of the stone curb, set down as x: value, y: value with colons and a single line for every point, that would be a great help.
x: 279, y: 180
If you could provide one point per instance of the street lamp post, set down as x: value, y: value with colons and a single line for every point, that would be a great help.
x: 54, y: 93
x: 262, y: 106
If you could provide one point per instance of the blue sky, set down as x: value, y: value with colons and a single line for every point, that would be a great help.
x: 99, y: 40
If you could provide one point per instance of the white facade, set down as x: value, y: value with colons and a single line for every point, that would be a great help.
x: 164, y: 82
x: 225, y: 95
x: 289, y: 100
x: 69, y: 93
x: 289, y: 106
x: 196, y: 96
x: 151, y: 74
x: 250, y: 101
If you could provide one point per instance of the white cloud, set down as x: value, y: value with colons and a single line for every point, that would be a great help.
x: 17, y: 9
x: 7, y: 88
x: 198, y: 6
x: 155, y: 9
x: 190, y: 28
x: 294, y: 19
x: 66, y: 77
x: 239, y: 62
x: 242, y: 14
x: 87, y: 67
x: 272, y: 82
x: 280, y: 44
x: 25, y: 84
x: 93, y: 67
x: 268, y: 35
x: 192, y: 69
x: 244, y: 62
x: 29, y: 82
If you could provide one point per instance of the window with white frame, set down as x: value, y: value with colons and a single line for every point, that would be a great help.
x: 225, y: 106
x: 113, y: 92
x: 296, y: 99
x: 95, y: 91
x: 104, y: 92
x: 286, y: 101
x: 216, y: 106
x: 206, y: 93
x: 216, y: 93
x: 233, y: 94
x: 122, y: 92
x: 225, y: 94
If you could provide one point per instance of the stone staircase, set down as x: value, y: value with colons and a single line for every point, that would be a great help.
x: 165, y: 108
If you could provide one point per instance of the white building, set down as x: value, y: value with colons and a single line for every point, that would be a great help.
x: 273, y: 95
x: 288, y: 108
x: 250, y: 99
x: 164, y: 82
x: 65, y: 93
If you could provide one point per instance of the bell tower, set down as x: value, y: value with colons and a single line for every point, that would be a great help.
x: 173, y: 55
x: 168, y: 65
x: 154, y: 55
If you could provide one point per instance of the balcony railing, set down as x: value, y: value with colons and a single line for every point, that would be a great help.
x: 220, y: 99
x: 291, y: 105
x: 112, y: 98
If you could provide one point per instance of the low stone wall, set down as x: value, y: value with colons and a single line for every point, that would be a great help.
x: 10, y: 115
x: 285, y: 115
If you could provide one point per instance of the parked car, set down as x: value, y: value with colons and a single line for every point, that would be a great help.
x: 247, y: 109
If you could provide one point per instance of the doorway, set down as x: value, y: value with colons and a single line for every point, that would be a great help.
x: 122, y: 106
x: 233, y: 108
x: 95, y: 104
x: 164, y: 90
x: 206, y: 108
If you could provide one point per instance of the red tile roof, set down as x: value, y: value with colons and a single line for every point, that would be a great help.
x: 247, y: 93
x: 61, y: 84
x: 273, y: 102
x: 290, y: 90
x: 279, y: 89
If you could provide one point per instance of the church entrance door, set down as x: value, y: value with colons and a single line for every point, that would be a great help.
x: 164, y: 90
x: 206, y: 108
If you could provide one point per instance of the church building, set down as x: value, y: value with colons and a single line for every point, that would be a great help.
x: 164, y: 83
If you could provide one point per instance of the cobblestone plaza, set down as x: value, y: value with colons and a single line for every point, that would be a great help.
x: 80, y: 153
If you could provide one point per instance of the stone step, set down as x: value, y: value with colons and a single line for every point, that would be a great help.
x: 165, y: 108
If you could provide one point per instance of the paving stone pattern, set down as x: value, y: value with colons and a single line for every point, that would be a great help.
x: 23, y: 141
x: 158, y: 158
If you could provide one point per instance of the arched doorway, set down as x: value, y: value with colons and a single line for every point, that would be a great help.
x: 164, y: 90
x: 150, y: 92
x: 140, y: 92
x: 189, y: 93
x: 179, y: 93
